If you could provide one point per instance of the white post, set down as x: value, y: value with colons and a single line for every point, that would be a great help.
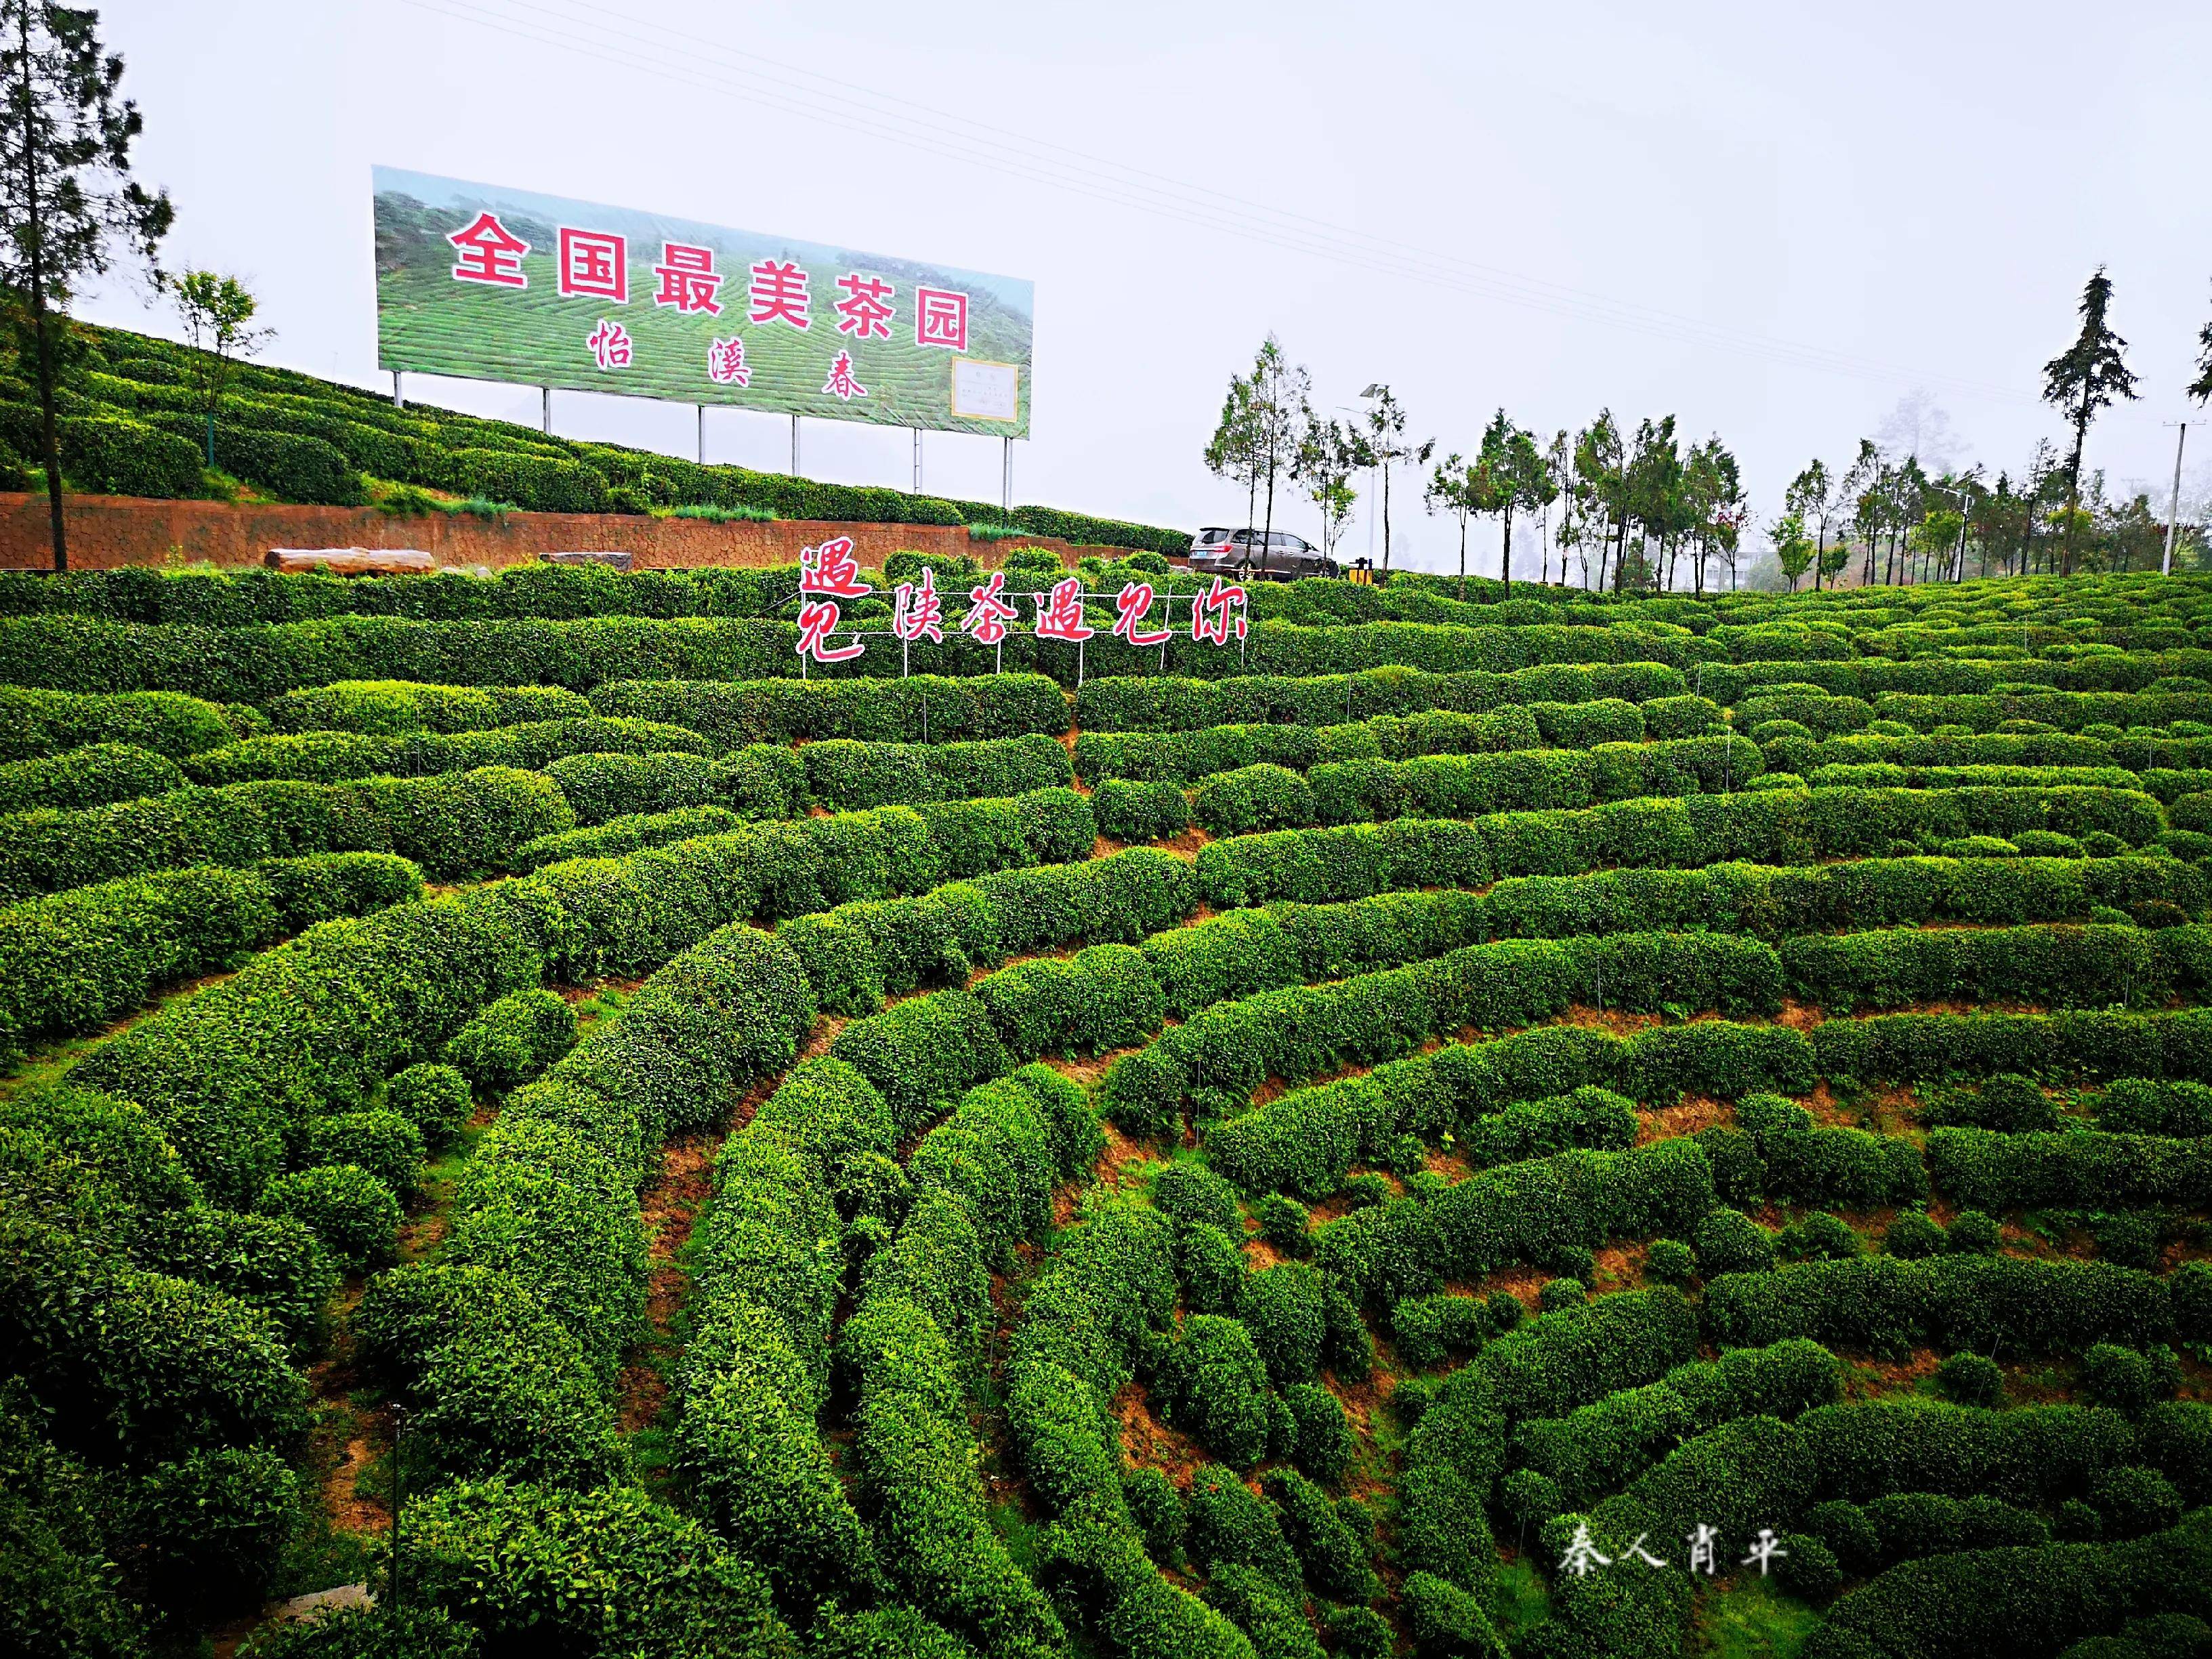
x: 399, y: 396
x: 2173, y: 511
x: 917, y: 460
x: 1006, y: 477
x: 702, y: 435
x: 795, y: 443
x: 545, y: 409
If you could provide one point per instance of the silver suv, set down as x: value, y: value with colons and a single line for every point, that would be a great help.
x: 1257, y: 556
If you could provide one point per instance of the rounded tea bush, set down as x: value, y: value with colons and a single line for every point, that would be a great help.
x: 1968, y: 1379
x: 434, y: 1098
x: 353, y: 1213
x: 383, y: 1142
x: 1669, y: 1261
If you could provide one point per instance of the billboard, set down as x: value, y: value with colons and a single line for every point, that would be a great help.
x: 494, y: 284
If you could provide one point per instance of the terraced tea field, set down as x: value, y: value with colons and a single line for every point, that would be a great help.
x: 1561, y: 1128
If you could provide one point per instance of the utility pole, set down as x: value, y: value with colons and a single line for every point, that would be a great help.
x: 2173, y: 511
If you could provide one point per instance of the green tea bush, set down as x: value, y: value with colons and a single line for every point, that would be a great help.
x: 355, y: 1215
x: 512, y: 1040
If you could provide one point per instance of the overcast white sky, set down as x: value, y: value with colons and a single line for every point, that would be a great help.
x: 1916, y: 190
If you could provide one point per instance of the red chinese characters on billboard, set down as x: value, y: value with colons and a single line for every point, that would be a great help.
x: 594, y: 264
x: 866, y: 308
x: 725, y: 362
x: 842, y: 383
x: 688, y: 279
x: 778, y: 295
x: 487, y: 252
x: 609, y: 344
x: 940, y: 318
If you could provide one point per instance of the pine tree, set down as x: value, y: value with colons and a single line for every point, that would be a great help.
x: 67, y: 199
x: 2087, y: 376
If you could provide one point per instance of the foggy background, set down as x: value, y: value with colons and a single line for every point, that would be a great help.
x: 1790, y: 231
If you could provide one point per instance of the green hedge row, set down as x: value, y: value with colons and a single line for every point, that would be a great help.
x: 1469, y: 785
x: 2058, y: 966
x: 2068, y: 711
x: 858, y: 954
x: 1769, y: 827
x: 1101, y: 1300
x: 1166, y: 704
x: 91, y: 776
x: 333, y: 757
x: 731, y: 1009
x: 2084, y: 1168
x: 316, y: 1025
x: 1213, y: 1061
x: 1187, y: 756
x: 1597, y: 1448
x: 2135, y: 754
x: 1306, y: 1140
x: 846, y: 774
x: 922, y: 1053
x: 1859, y: 894
x: 1952, y: 1303
x: 136, y: 1368
x: 37, y: 723
x: 258, y: 664
x: 459, y: 823
x: 756, y: 1368
x: 400, y: 708
x: 924, y: 708
x: 71, y: 962
x: 982, y: 1183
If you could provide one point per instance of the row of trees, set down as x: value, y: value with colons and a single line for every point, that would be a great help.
x: 1638, y: 512
x: 1905, y: 525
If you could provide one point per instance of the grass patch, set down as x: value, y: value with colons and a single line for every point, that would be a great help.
x: 1018, y: 1533
x: 715, y: 515
x: 1519, y: 1598
x: 1751, y: 1619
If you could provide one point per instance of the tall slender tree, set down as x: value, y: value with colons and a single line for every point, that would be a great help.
x: 1810, y: 499
x: 1233, y: 451
x: 1329, y: 455
x: 1559, y: 469
x: 1388, y: 443
x: 1461, y: 490
x: 1793, y: 548
x: 68, y: 204
x: 1279, y: 411
x: 2089, y: 375
x: 1510, y: 470
x: 1600, y: 481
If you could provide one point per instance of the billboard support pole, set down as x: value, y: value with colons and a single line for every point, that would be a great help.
x: 917, y: 460
x: 702, y: 435
x: 1006, y: 475
x: 795, y: 443
x: 545, y: 409
x: 399, y: 396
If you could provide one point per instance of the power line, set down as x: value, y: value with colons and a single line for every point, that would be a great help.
x: 713, y: 66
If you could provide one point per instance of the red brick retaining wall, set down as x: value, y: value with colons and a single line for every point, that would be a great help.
x: 106, y: 532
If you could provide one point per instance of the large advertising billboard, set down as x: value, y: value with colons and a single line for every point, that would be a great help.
x: 494, y: 284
